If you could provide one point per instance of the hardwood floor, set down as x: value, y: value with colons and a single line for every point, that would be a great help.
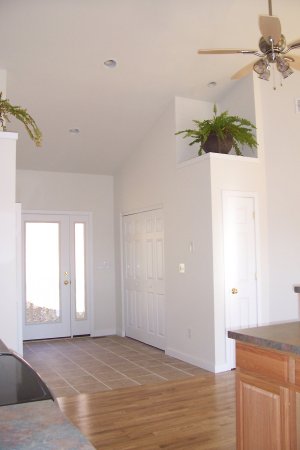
x: 189, y: 414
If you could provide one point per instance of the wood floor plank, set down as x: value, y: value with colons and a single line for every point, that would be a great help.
x: 194, y: 413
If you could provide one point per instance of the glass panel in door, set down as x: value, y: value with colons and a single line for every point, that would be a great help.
x: 42, y: 273
x: 79, y: 265
x: 80, y: 296
x: 46, y: 290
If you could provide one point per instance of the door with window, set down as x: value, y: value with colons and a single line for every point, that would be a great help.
x: 55, y: 276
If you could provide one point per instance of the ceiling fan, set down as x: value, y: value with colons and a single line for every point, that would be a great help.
x: 272, y: 50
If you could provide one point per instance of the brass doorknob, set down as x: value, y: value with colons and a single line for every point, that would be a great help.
x: 234, y: 291
x: 66, y: 282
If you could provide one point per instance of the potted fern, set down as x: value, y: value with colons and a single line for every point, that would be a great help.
x: 7, y: 110
x: 222, y: 133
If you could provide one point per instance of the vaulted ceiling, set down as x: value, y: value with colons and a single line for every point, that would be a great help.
x: 54, y: 53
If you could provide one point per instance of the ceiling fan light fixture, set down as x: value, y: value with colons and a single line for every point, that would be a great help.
x: 265, y: 75
x: 281, y: 64
x: 283, y: 67
x: 261, y: 66
x: 287, y: 73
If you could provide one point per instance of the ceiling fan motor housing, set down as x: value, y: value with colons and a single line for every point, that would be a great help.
x: 265, y: 46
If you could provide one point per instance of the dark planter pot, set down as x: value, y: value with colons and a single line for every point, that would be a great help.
x: 215, y: 145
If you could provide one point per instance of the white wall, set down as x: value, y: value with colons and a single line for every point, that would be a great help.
x: 151, y: 177
x: 3, y: 82
x: 191, y: 194
x: 281, y: 136
x: 8, y: 258
x: 79, y: 192
x: 239, y: 100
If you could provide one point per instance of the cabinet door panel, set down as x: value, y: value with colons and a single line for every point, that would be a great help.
x: 262, y: 414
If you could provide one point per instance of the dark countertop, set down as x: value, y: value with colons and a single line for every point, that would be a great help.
x: 3, y: 348
x: 282, y: 336
x: 38, y: 426
x: 28, y: 424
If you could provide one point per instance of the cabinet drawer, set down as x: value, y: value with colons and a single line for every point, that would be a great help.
x: 267, y: 363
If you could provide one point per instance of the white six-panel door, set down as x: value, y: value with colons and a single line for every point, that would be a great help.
x: 144, y: 286
x: 240, y: 264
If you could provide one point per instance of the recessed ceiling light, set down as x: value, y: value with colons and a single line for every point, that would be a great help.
x: 110, y: 63
x: 212, y: 84
x: 74, y: 130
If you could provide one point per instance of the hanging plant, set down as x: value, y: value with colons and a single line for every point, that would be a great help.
x: 7, y: 110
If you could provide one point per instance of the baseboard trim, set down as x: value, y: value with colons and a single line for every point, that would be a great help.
x: 120, y: 332
x: 197, y: 361
x: 104, y: 332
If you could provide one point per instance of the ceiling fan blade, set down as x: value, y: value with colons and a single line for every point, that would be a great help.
x: 270, y: 28
x: 224, y: 51
x: 294, y: 44
x: 243, y: 71
x: 295, y: 64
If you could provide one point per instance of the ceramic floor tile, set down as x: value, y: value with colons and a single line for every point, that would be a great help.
x: 92, y: 367
x: 64, y: 392
x: 149, y: 364
x: 173, y: 375
x: 104, y: 370
x: 148, y: 379
x: 109, y: 376
x: 197, y: 371
x: 92, y: 388
x: 77, y: 380
x: 66, y: 367
x: 87, y: 364
x: 78, y: 372
x: 56, y: 383
x: 122, y: 366
x: 116, y: 384
x: 136, y: 371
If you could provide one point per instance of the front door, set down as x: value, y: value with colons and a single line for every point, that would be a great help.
x: 55, y: 275
x: 143, y: 237
x: 240, y: 264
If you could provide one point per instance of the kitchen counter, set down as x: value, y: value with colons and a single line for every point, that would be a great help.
x: 38, y: 426
x: 268, y: 387
x: 283, y: 336
x: 29, y: 418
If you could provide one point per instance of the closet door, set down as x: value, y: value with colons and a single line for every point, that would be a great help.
x: 240, y: 264
x: 144, y: 286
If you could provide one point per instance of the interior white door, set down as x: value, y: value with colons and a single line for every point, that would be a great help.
x: 240, y: 265
x: 144, y: 284
x: 55, y: 275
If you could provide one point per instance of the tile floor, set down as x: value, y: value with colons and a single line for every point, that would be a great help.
x: 87, y: 365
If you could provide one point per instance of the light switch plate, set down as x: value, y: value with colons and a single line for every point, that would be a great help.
x: 181, y: 268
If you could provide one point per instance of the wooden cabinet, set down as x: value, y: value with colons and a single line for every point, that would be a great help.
x: 268, y: 399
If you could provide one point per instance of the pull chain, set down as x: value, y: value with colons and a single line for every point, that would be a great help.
x: 274, y: 78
